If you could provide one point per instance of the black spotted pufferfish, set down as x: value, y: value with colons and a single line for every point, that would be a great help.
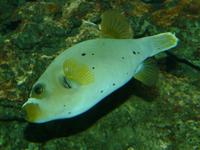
x: 84, y: 74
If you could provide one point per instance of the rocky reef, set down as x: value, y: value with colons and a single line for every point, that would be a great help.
x: 135, y: 117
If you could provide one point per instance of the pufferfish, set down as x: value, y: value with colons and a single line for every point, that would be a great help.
x: 87, y: 72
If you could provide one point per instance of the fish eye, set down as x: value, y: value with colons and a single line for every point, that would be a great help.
x: 38, y: 89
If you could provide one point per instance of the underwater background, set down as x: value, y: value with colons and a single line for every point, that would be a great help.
x: 135, y: 117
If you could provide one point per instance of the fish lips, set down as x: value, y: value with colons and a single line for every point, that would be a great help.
x: 32, y: 110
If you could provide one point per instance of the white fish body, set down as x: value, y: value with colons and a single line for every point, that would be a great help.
x: 84, y: 74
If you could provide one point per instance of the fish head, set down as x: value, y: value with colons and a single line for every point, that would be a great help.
x: 58, y: 93
x: 51, y: 97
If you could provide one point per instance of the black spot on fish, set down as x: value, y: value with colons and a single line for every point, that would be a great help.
x: 101, y: 91
x: 83, y: 54
x: 92, y: 53
x: 123, y: 57
x: 93, y: 67
x: 134, y: 52
x: 113, y: 84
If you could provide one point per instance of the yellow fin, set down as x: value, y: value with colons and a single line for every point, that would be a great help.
x: 115, y: 25
x: 78, y: 72
x: 147, y: 73
x: 162, y: 42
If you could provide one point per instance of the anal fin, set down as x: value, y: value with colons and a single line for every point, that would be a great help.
x: 147, y: 72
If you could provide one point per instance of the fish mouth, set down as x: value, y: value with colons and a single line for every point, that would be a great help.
x: 32, y: 110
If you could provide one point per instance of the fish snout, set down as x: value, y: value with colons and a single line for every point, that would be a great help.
x: 32, y: 111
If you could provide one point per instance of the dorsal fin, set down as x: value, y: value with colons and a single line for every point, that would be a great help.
x: 147, y: 72
x: 115, y: 25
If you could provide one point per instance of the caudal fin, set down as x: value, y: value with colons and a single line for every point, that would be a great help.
x: 161, y: 42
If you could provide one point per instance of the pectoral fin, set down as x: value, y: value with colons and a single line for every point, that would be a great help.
x: 78, y: 72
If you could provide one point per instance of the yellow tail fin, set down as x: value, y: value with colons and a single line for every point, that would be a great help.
x: 161, y: 42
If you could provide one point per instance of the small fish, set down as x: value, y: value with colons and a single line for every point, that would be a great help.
x: 87, y: 72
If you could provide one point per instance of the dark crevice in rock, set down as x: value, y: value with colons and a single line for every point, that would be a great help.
x: 9, y: 119
x: 10, y: 104
x: 184, y: 61
x: 11, y: 111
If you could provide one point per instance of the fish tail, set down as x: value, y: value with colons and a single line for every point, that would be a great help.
x: 161, y: 42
